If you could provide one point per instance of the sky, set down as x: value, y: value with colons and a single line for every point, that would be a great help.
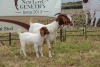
x: 63, y: 1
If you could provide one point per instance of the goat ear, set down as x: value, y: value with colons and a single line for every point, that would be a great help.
x: 42, y: 32
x: 46, y: 31
x: 65, y: 20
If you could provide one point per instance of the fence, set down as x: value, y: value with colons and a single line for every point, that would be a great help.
x: 84, y: 32
x: 8, y: 37
x: 62, y: 34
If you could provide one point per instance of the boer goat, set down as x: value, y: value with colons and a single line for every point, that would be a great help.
x: 92, y: 7
x: 36, y: 39
x: 61, y: 20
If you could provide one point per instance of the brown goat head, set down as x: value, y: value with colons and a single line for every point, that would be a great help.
x: 44, y: 31
x: 63, y: 19
x: 85, y: 1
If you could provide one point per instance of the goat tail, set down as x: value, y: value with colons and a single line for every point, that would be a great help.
x: 19, y: 31
x: 30, y: 20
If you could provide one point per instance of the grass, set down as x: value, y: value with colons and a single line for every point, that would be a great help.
x: 75, y: 52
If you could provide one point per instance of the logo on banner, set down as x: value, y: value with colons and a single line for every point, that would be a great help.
x: 16, y: 4
x: 30, y: 6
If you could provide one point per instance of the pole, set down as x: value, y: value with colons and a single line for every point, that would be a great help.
x: 85, y: 32
x: 61, y: 35
x: 9, y: 38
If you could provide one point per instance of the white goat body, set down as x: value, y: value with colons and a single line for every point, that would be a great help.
x: 52, y: 27
x: 34, y: 28
x: 28, y: 37
x: 36, y: 39
x: 92, y: 7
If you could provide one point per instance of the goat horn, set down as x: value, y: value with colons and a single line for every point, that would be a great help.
x: 57, y: 14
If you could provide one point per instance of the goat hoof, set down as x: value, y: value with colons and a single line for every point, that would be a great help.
x: 50, y: 56
x: 53, y: 54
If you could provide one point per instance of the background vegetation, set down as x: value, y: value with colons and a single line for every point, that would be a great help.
x: 72, y: 5
x: 74, y: 9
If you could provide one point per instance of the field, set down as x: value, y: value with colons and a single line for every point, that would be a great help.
x: 75, y: 52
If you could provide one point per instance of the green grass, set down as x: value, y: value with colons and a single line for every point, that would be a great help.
x: 75, y: 52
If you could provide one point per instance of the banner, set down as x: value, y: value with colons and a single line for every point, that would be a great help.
x: 9, y: 27
x: 30, y: 7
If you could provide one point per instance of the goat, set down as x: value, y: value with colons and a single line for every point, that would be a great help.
x: 92, y: 7
x: 37, y: 39
x: 62, y: 19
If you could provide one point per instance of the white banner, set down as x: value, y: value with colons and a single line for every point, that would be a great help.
x: 9, y: 27
x: 30, y: 7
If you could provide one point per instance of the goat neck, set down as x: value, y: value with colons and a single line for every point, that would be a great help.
x: 52, y: 27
